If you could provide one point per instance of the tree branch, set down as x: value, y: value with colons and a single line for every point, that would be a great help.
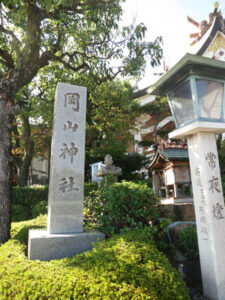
x: 84, y: 65
x: 7, y: 59
x: 14, y: 37
x: 79, y: 8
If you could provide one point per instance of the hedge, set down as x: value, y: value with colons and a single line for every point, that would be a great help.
x: 30, y: 195
x: 31, y: 201
x: 126, y: 266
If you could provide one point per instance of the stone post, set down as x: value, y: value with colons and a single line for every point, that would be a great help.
x: 65, y: 236
x: 65, y: 204
x: 209, y: 212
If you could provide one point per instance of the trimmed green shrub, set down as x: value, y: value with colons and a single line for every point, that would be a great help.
x: 127, y: 266
x: 89, y: 187
x: 30, y: 195
x: 160, y: 234
x: 40, y: 208
x: 121, y: 205
x: 188, y: 243
x: 20, y: 213
x: 29, y: 201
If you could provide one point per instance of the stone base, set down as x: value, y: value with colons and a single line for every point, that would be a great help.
x: 177, y: 211
x: 45, y: 246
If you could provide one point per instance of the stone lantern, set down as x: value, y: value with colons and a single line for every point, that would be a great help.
x: 196, y: 94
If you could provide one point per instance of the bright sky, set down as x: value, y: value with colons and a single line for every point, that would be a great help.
x: 168, y: 18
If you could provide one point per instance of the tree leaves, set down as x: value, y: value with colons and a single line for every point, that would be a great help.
x: 81, y: 35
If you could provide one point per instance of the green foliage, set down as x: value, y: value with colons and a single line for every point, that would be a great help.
x: 32, y: 201
x: 223, y: 184
x: 112, y: 113
x: 188, y: 242
x: 157, y: 106
x: 80, y: 35
x: 75, y: 42
x: 127, y: 266
x: 147, y: 181
x: 115, y: 207
x: 221, y: 156
x: 89, y: 187
x: 20, y: 213
x: 39, y: 208
x: 29, y: 202
x: 112, y: 110
x: 160, y: 234
x: 30, y: 195
x: 128, y: 162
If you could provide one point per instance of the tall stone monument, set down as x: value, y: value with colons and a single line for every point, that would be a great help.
x: 64, y: 236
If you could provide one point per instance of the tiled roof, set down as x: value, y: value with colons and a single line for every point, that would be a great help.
x: 169, y: 154
x: 174, y: 153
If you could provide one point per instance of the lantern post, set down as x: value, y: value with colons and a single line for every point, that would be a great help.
x: 195, y: 88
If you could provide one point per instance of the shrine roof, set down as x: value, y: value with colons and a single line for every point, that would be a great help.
x: 174, y: 153
x: 206, y: 31
x: 169, y: 154
x: 218, y: 25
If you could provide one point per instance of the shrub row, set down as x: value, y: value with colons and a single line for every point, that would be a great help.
x: 31, y: 195
x: 31, y: 201
x: 126, y: 266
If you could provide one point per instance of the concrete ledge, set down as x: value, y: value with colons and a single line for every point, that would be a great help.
x: 45, y: 246
x: 177, y: 200
x: 195, y: 127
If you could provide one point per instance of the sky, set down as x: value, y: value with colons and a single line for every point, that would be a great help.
x: 168, y: 18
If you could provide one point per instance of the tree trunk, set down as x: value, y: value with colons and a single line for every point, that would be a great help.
x: 5, y: 161
x: 28, y: 152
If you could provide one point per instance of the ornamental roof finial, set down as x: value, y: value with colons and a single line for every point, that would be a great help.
x: 216, y: 5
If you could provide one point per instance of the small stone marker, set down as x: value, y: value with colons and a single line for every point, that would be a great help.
x: 109, y: 168
x: 64, y: 236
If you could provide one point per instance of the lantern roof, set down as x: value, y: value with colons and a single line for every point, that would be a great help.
x: 189, y: 65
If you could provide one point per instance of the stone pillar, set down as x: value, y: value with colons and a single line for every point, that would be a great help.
x: 65, y: 203
x: 209, y: 212
x: 64, y: 236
